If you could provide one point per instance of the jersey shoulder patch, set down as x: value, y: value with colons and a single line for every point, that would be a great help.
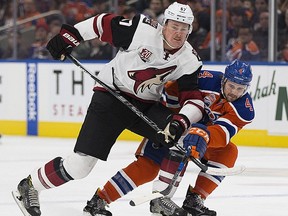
x: 150, y: 22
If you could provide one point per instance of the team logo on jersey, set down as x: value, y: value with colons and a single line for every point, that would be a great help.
x: 150, y: 22
x: 145, y: 55
x: 204, y: 74
x: 209, y: 100
x: 148, y: 77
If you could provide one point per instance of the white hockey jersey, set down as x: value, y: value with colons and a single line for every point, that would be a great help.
x: 142, y: 66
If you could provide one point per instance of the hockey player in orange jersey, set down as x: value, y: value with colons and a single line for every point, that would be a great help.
x: 228, y: 109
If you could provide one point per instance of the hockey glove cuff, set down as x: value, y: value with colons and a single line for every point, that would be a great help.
x: 174, y: 130
x: 63, y: 43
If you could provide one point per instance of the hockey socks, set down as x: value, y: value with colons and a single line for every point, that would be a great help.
x: 52, y: 174
x: 139, y: 172
x: 169, y: 167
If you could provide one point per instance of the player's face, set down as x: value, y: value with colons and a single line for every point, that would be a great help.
x: 175, y: 33
x: 233, y: 91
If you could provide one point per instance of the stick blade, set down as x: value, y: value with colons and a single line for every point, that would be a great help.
x: 225, y: 171
x: 145, y: 198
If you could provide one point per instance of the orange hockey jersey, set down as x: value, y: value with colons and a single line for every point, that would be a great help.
x: 224, y: 119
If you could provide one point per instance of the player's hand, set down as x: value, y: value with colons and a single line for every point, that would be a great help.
x: 64, y: 42
x: 196, y: 140
x: 174, y: 130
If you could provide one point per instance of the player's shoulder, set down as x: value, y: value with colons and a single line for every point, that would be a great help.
x: 189, y: 51
x: 146, y: 29
x: 244, y: 107
x: 146, y: 22
x: 188, y: 57
x: 210, y: 80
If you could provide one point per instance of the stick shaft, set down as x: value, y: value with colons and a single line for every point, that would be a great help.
x: 134, y: 109
x: 116, y: 95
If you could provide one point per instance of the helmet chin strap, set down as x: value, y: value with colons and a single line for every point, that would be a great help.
x: 172, y: 47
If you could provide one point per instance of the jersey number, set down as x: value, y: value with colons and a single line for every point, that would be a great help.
x: 248, y: 104
x: 126, y: 22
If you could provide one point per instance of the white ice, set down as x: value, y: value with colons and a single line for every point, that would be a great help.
x: 262, y: 190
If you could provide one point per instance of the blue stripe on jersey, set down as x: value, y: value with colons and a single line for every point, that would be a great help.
x: 122, y: 183
x: 171, y: 101
x: 228, y: 126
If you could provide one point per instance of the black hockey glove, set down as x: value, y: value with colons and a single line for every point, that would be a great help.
x: 174, y: 130
x: 64, y: 42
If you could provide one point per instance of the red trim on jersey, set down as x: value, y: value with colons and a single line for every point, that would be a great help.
x: 106, y: 26
x: 51, y: 174
x: 99, y: 88
x: 95, y: 26
x: 187, y: 97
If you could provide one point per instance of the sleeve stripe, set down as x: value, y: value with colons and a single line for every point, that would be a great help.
x: 226, y: 132
x: 105, y: 30
x: 171, y: 97
x: 227, y: 122
x: 228, y: 127
x: 98, y: 25
x: 85, y: 29
x: 95, y: 26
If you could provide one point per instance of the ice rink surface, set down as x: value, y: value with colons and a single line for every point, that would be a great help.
x: 262, y: 190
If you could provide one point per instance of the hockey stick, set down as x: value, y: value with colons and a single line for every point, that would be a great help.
x: 203, y: 167
x: 142, y: 199
x: 124, y: 101
x: 212, y: 171
x: 116, y: 95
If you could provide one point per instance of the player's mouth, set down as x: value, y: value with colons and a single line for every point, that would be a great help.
x: 231, y: 97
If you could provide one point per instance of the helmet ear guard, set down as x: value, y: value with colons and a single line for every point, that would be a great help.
x: 180, y: 13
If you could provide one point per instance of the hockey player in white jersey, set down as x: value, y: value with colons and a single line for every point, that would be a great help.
x: 149, y: 56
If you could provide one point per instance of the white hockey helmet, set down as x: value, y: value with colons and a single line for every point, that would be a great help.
x: 179, y: 12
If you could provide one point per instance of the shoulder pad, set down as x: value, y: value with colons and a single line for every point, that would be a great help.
x: 150, y: 22
x: 210, y: 80
x: 244, y: 107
